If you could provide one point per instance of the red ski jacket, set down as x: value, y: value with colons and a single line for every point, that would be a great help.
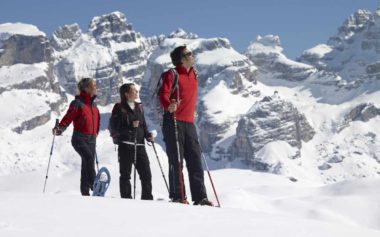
x: 188, y: 89
x: 84, y: 114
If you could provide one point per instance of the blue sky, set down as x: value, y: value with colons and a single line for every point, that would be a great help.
x: 300, y: 24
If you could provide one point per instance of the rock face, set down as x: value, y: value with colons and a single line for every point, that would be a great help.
x: 111, y: 52
x: 24, y: 49
x: 110, y: 28
x: 354, y: 53
x: 269, y: 120
x: 26, y: 63
x: 65, y: 37
x: 87, y: 59
x: 22, y: 43
x: 362, y: 112
x: 131, y: 48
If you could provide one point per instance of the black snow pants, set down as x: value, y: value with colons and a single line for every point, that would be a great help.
x: 85, y: 145
x: 126, y: 159
x: 190, y: 151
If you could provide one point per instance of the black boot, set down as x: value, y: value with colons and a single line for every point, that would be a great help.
x: 204, y: 202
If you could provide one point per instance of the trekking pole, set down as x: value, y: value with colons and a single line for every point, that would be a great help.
x: 209, y: 175
x: 134, y: 164
x: 159, y: 163
x: 180, y: 174
x: 51, y: 153
x: 97, y: 161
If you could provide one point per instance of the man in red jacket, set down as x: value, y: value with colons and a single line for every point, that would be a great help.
x: 86, y: 118
x: 180, y: 106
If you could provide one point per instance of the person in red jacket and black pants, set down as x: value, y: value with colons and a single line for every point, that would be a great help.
x: 182, y: 102
x: 86, y: 118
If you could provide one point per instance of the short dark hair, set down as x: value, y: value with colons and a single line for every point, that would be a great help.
x: 177, y: 54
x: 83, y: 83
x: 125, y: 88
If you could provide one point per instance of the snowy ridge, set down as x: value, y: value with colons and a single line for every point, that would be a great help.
x: 9, y: 29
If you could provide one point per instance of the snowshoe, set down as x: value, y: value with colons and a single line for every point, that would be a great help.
x: 102, y: 182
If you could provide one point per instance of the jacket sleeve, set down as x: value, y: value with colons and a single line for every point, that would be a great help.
x: 167, y: 83
x: 114, y: 120
x: 144, y: 125
x: 70, y: 115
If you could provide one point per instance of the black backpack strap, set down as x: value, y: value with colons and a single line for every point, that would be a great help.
x: 175, y: 84
x: 157, y: 91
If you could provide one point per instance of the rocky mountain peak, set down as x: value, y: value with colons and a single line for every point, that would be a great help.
x: 355, y: 23
x: 112, y: 27
x: 268, y: 120
x: 180, y: 33
x: 266, y: 53
x: 353, y: 53
x: 65, y: 36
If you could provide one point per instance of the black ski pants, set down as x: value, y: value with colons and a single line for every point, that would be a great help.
x: 190, y: 151
x: 126, y: 159
x: 85, y: 145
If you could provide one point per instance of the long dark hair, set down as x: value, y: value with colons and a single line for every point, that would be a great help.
x: 125, y: 88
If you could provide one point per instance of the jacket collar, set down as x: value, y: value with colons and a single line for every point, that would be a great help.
x: 182, y: 70
x: 86, y: 98
x: 126, y: 105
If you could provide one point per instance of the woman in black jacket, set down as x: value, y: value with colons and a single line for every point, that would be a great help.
x: 128, y: 130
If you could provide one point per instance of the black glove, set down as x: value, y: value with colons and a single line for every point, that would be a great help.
x: 150, y: 137
x: 57, y: 131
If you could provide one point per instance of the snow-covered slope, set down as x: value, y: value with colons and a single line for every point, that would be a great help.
x: 252, y: 203
x: 264, y: 204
